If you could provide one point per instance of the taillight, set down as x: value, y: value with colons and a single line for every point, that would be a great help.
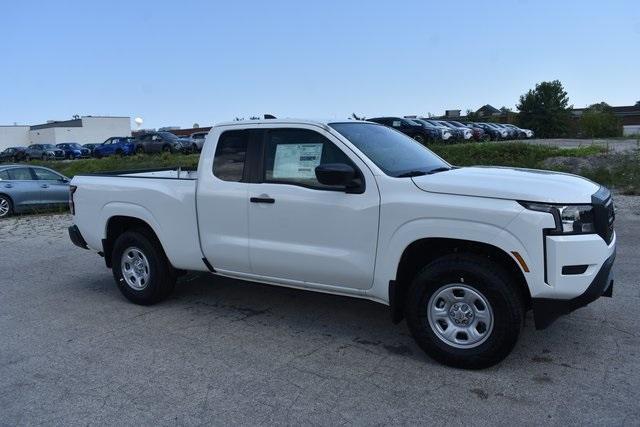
x: 72, y: 206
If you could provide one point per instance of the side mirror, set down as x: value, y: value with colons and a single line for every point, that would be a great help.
x: 338, y: 174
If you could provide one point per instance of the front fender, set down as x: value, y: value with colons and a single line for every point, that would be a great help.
x: 390, y: 252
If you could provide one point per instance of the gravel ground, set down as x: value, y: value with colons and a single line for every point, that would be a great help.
x: 73, y: 351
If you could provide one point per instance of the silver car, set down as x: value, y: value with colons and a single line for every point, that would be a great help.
x: 25, y: 188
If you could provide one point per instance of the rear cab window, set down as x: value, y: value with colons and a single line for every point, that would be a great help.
x: 230, y: 157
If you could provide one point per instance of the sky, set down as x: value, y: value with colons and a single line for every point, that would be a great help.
x: 177, y: 63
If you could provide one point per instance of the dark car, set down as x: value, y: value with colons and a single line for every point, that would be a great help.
x: 513, y: 133
x: 407, y: 126
x: 44, y: 152
x: 156, y: 142
x: 24, y: 188
x: 13, y: 154
x: 73, y: 150
x: 116, y: 145
x: 477, y: 132
x: 494, y: 133
x: 90, y: 147
x: 440, y: 133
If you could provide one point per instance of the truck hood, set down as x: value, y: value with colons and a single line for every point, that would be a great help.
x: 510, y: 183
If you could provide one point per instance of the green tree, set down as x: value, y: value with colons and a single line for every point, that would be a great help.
x: 598, y: 121
x: 545, y: 110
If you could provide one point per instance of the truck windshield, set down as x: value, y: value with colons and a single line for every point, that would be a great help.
x: 393, y: 152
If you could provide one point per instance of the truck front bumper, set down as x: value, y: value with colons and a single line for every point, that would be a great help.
x: 546, y: 310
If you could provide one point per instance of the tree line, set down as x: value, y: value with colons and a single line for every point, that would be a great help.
x: 545, y: 109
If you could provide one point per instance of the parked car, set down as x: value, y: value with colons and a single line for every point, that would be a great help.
x: 479, y: 134
x: 13, y: 154
x: 355, y: 208
x: 73, y: 150
x: 116, y: 145
x: 442, y: 133
x: 494, y: 132
x: 467, y: 133
x: 410, y: 128
x: 197, y: 140
x: 44, y: 152
x: 457, y: 134
x: 24, y: 188
x: 524, y: 133
x: 511, y: 132
x: 487, y: 134
x: 90, y: 147
x: 156, y: 142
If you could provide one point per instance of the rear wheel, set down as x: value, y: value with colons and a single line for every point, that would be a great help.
x: 139, y: 149
x: 6, y: 206
x: 464, y: 311
x: 167, y: 149
x: 141, y: 269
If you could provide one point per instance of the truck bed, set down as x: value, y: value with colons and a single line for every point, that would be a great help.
x: 163, y: 198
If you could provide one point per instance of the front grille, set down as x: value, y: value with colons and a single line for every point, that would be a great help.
x: 603, y: 213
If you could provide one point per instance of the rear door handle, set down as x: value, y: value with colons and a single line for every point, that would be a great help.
x: 262, y: 200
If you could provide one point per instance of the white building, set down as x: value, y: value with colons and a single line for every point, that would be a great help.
x: 14, y: 136
x: 83, y: 130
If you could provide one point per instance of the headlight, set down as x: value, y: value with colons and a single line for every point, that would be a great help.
x: 569, y: 219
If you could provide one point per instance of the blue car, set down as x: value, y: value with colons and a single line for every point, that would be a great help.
x: 24, y: 188
x: 73, y: 150
x: 116, y: 145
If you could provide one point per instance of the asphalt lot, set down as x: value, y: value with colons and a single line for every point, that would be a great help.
x: 73, y: 351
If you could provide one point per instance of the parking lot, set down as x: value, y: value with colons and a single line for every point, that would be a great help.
x: 73, y: 351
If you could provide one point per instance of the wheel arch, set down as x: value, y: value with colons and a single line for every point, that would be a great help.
x: 422, y: 251
x: 119, y: 224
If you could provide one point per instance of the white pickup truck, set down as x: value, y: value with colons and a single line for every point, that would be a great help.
x: 358, y: 209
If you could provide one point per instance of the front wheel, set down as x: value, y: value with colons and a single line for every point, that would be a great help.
x: 421, y: 139
x: 464, y: 311
x: 141, y: 269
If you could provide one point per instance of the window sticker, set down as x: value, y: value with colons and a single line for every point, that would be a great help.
x: 297, y: 160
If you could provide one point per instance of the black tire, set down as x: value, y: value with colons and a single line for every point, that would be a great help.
x: 167, y: 149
x: 493, y: 283
x: 27, y: 158
x: 119, y: 153
x: 140, y: 149
x: 44, y: 157
x: 9, y: 206
x: 161, y: 279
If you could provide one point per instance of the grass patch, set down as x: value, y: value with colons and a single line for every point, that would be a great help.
x: 623, y: 174
x: 515, y: 154
x: 114, y: 163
